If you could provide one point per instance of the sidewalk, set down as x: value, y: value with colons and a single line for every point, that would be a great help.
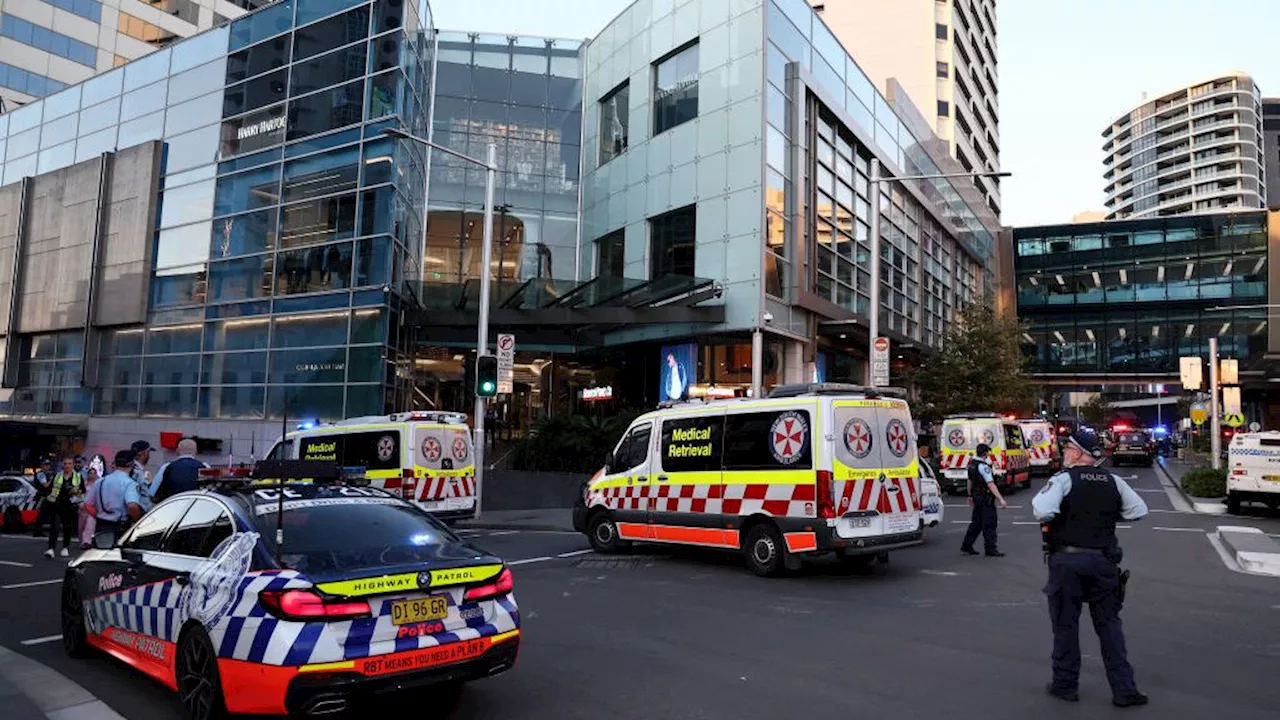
x: 1173, y: 469
x: 31, y: 691
x: 552, y: 520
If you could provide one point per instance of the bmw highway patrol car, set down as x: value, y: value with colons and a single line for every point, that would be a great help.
x: 812, y: 469
x: 365, y: 594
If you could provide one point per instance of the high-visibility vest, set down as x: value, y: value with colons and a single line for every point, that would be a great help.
x: 57, y: 485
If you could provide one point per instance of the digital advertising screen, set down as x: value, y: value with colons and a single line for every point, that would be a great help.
x: 679, y: 371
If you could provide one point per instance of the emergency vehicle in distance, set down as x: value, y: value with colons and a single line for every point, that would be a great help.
x: 810, y: 469
x: 291, y: 597
x: 1253, y: 466
x: 1044, y: 454
x: 423, y: 456
x: 961, y: 436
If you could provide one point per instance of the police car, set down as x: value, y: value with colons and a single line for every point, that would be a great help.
x: 299, y: 598
x: 1253, y: 460
x: 810, y: 470
x: 19, y: 507
x: 931, y: 505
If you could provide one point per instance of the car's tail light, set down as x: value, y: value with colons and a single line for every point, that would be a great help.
x: 307, y: 605
x: 501, y: 586
x: 826, y: 495
x: 408, y: 484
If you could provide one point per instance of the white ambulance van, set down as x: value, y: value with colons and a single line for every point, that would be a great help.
x: 811, y: 469
x: 1253, y: 470
x: 426, y: 457
x: 1043, y: 453
x: 961, y: 436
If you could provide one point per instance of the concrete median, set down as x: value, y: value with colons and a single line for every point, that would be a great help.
x: 1251, y: 548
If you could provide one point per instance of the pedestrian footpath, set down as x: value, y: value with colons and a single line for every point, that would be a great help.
x: 31, y: 691
x: 546, y: 520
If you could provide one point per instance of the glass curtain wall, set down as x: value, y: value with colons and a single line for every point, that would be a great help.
x: 1134, y: 296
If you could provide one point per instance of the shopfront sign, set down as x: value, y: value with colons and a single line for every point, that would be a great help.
x: 597, y: 394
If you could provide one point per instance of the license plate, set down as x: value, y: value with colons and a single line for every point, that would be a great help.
x: 405, y: 612
x: 1271, y: 478
x: 1122, y: 448
x: 861, y: 522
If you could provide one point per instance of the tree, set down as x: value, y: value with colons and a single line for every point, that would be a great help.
x: 1096, y: 412
x: 981, y: 367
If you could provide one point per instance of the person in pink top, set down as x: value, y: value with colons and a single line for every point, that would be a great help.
x: 88, y: 523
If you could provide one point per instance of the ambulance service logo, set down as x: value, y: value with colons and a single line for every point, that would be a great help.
x: 1037, y: 436
x: 857, y: 438
x: 431, y: 449
x: 386, y: 447
x: 987, y: 437
x: 460, y: 448
x: 788, y: 437
x: 955, y: 438
x: 896, y: 435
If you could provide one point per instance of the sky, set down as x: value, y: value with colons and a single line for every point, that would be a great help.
x: 1066, y: 71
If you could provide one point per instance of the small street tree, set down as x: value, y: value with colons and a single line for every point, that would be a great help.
x: 981, y: 367
x: 1096, y: 412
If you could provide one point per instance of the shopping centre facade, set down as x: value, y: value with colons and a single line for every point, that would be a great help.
x: 219, y: 234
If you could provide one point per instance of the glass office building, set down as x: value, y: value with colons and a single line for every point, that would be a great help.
x: 286, y: 229
x: 1115, y: 300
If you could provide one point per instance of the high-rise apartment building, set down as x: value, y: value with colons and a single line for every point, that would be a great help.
x: 1271, y: 149
x: 943, y: 52
x: 1197, y: 149
x: 46, y: 45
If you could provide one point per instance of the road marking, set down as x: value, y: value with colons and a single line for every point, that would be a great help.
x: 1150, y: 490
x: 529, y: 560
x: 575, y: 553
x: 42, y: 640
x: 29, y: 584
x: 1162, y: 510
x: 22, y: 537
x: 13, y: 563
x: 1123, y: 527
x: 1029, y: 522
x: 942, y: 573
x: 503, y: 532
x: 959, y: 522
x: 1178, y: 529
x: 955, y: 505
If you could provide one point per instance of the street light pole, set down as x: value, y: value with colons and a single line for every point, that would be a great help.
x: 486, y: 259
x: 1215, y: 409
x: 873, y: 313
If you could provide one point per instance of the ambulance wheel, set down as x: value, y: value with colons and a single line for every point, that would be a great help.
x: 199, y: 685
x: 602, y: 531
x: 73, y: 631
x: 764, y: 550
x: 1233, y: 503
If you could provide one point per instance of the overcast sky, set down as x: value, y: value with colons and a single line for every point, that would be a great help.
x: 1067, y: 69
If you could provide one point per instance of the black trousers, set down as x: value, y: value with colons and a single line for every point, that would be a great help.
x: 982, y: 522
x: 64, y: 516
x: 1076, y: 579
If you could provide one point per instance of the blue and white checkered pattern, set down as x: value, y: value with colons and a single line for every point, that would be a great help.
x: 148, y: 609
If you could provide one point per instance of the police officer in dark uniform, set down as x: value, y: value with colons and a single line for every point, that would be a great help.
x: 1080, y: 507
x: 983, y: 496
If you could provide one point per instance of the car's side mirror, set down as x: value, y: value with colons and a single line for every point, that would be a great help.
x: 608, y: 461
x: 104, y: 540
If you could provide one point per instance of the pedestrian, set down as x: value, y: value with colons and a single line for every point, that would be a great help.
x: 43, y: 481
x: 64, y: 492
x: 115, y: 497
x: 178, y: 475
x: 983, y: 497
x: 1079, y: 507
x: 88, y: 523
x: 142, y: 455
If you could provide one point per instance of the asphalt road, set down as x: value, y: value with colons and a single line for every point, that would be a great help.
x: 690, y: 634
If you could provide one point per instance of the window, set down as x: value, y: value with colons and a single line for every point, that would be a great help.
x: 16, y: 78
x: 378, y: 450
x: 150, y: 530
x: 204, y: 526
x: 37, y: 36
x: 751, y: 443
x: 633, y: 451
x: 91, y: 9
x: 944, y: 70
x: 316, y: 269
x: 611, y: 254
x: 673, y: 243
x: 614, y: 121
x: 944, y: 108
x: 675, y: 89
x: 142, y: 30
x: 692, y: 444
x: 940, y: 31
x: 1012, y: 437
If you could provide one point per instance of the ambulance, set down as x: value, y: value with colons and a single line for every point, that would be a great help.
x: 808, y: 470
x: 425, y: 457
x: 962, y: 434
x: 1043, y: 453
x: 1253, y: 462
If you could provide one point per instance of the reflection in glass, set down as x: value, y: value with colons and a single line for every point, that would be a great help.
x: 262, y: 24
x: 243, y: 234
x: 237, y: 334
x: 373, y: 262
x: 258, y: 59
x: 314, y: 269
x: 236, y: 368
x: 255, y: 93
x: 316, y: 221
x: 240, y: 279
x: 328, y: 328
x: 330, y: 69
x: 326, y: 110
x: 334, y: 32
x: 247, y: 190
x: 324, y: 174
x: 614, y: 122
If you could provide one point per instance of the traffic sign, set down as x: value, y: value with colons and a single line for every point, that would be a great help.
x: 1234, y: 420
x: 506, y: 362
x: 1191, y: 377
x: 1255, y: 426
x: 1199, y: 413
x: 880, y: 362
x: 1228, y: 372
x: 1231, y: 401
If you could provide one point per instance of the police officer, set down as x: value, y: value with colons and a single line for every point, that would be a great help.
x: 178, y: 475
x: 115, y: 497
x: 1081, y: 506
x: 983, y: 497
x: 64, y: 493
x: 141, y: 456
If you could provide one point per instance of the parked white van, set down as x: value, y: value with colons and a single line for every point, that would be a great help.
x: 1253, y: 470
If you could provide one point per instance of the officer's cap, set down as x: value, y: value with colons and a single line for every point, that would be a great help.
x: 124, y: 458
x: 983, y: 449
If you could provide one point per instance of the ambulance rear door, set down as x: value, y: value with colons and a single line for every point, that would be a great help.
x: 874, y: 470
x: 444, y: 466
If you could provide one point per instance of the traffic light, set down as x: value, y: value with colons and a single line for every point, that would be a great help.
x: 487, y: 375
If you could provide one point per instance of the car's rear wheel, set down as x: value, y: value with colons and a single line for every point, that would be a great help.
x: 199, y: 685
x: 1233, y: 503
x: 764, y: 550
x: 74, y: 635
x: 602, y: 531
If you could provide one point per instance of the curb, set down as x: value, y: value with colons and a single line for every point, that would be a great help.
x: 1254, y: 552
x: 1200, y: 507
x: 54, y: 694
x: 537, y: 527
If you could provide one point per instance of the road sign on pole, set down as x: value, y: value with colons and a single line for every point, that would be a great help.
x: 1234, y: 420
x: 880, y: 362
x: 1231, y: 401
x: 1229, y: 374
x: 1199, y: 413
x: 1191, y: 377
x: 506, y: 363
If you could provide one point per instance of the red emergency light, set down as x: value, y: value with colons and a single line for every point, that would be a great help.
x: 1120, y: 427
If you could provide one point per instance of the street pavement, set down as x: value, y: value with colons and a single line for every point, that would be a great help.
x: 685, y: 634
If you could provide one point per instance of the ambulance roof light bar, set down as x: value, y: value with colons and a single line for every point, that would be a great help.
x: 787, y: 391
x: 976, y: 416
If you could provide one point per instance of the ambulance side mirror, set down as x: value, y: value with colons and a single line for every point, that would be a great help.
x: 608, y: 461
